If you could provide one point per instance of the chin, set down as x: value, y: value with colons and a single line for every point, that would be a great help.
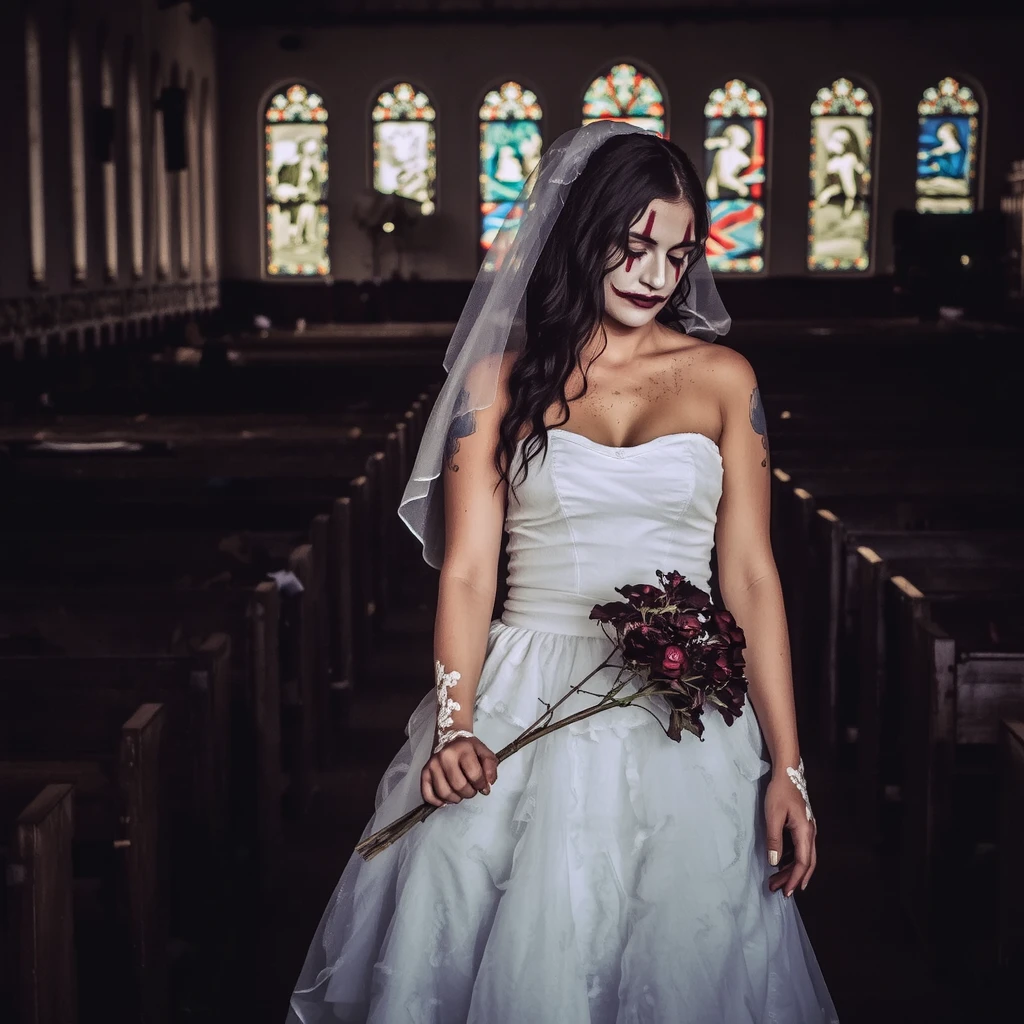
x: 629, y: 315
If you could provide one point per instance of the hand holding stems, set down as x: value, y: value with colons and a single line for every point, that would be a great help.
x: 445, y: 774
x: 787, y: 806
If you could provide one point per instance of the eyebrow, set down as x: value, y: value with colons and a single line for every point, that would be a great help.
x: 647, y: 238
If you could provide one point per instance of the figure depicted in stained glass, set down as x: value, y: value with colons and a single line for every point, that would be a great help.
x: 510, y: 148
x: 735, y: 165
x: 296, y: 184
x: 947, y: 149
x: 839, y: 219
x: 625, y: 94
x: 404, y: 160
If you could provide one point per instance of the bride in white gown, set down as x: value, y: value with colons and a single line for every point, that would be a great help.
x: 605, y: 875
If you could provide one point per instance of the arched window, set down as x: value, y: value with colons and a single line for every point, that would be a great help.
x: 840, y: 208
x: 135, y: 180
x: 947, y: 149
x: 36, y: 185
x: 735, y: 162
x: 625, y: 94
x: 510, y: 146
x: 76, y: 140
x: 106, y: 126
x: 209, y: 181
x: 296, y: 170
x: 404, y: 148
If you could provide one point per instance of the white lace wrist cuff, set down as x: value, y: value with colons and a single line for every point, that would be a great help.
x: 446, y: 737
x: 796, y: 775
x: 445, y: 706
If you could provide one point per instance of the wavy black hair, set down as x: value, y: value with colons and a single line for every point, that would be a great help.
x: 565, y: 294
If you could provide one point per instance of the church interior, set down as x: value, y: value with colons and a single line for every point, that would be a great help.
x: 238, y: 239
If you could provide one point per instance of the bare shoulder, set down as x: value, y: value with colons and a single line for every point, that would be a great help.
x: 726, y: 372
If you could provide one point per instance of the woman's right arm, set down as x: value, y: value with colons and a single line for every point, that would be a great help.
x: 461, y: 765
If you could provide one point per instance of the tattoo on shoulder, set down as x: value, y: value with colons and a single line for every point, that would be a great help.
x: 759, y: 422
x: 463, y: 424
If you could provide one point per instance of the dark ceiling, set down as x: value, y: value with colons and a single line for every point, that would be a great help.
x: 381, y: 12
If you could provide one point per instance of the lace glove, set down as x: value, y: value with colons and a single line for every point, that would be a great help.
x: 796, y: 776
x: 445, y: 706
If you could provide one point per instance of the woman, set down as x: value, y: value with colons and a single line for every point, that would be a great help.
x: 606, y: 874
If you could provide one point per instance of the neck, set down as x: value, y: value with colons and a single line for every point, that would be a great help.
x: 624, y: 343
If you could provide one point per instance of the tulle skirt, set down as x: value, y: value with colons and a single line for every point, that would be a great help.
x: 611, y: 876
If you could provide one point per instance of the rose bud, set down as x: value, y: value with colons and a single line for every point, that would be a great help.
x: 673, y: 661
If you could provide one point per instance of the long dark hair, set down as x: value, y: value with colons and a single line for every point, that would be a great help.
x: 565, y: 295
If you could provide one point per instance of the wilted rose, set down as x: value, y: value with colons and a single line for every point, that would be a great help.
x: 687, y: 624
x: 618, y: 613
x: 681, y: 592
x: 643, y: 642
x: 724, y: 624
x: 673, y: 662
x: 724, y: 664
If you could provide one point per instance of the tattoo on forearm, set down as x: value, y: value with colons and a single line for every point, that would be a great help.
x: 758, y: 421
x: 463, y: 424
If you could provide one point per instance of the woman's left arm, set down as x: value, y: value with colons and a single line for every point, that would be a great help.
x: 749, y: 583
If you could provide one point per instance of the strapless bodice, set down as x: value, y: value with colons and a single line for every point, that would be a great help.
x: 590, y: 517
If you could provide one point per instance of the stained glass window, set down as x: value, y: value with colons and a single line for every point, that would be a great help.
x: 510, y: 147
x: 947, y: 149
x: 625, y: 94
x: 296, y: 172
x: 840, y: 207
x: 735, y: 153
x: 404, y: 157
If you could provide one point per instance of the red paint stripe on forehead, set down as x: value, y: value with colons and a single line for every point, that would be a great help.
x: 646, y: 231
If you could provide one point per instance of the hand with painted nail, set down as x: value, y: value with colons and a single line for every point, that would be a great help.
x: 462, y: 768
x: 786, y: 806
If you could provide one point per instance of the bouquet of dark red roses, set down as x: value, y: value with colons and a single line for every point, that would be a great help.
x: 684, y: 650
x: 670, y: 640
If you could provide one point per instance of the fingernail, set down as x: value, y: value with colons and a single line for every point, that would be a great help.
x: 487, y: 790
x: 788, y: 894
x: 773, y: 857
x: 803, y: 885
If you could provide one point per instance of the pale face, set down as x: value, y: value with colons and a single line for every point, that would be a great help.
x: 661, y: 241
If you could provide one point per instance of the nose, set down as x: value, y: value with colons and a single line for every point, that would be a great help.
x: 655, y: 272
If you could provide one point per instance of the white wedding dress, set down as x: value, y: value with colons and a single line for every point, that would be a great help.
x: 611, y: 876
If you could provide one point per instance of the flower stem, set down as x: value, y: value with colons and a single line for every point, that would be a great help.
x: 385, y: 837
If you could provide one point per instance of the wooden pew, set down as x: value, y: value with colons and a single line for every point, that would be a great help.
x: 116, y: 771
x: 195, y: 691
x: 961, y: 681
x: 895, y: 501
x: 38, y: 976
x: 1010, y: 952
x: 886, y: 661
x: 837, y: 589
x: 148, y: 620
